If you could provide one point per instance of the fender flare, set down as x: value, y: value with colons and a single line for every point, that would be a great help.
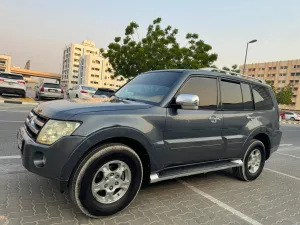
x: 258, y: 130
x: 99, y: 136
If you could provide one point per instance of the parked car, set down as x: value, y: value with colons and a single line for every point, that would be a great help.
x: 11, y: 83
x: 282, y: 115
x: 161, y: 125
x: 292, y: 116
x: 81, y: 91
x: 103, y: 92
x: 49, y: 91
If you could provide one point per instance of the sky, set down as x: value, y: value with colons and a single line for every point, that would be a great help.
x: 39, y: 30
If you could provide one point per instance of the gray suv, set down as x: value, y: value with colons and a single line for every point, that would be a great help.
x: 161, y: 125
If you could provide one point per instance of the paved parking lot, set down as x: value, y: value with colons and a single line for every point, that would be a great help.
x: 213, y: 198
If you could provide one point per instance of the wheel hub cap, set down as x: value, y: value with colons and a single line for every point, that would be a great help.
x: 254, y: 161
x: 111, y: 182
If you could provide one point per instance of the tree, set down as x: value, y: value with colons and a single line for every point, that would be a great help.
x: 159, y: 49
x: 234, y: 68
x: 284, y: 96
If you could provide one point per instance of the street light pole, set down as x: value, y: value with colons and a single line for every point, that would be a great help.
x: 246, y: 53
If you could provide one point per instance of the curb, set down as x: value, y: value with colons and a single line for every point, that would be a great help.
x: 19, y: 102
x: 290, y: 122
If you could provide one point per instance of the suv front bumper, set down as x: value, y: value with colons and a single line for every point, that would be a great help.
x: 44, y: 160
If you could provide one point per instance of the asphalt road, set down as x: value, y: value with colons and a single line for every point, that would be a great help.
x: 213, y: 198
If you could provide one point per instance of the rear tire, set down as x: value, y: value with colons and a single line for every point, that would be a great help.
x: 292, y: 119
x: 114, y: 193
x: 23, y: 95
x: 253, y: 162
x: 40, y: 98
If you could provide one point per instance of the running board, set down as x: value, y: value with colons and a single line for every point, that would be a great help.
x: 177, y: 172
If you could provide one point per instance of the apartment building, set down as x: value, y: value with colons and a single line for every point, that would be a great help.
x: 5, y: 63
x: 93, y: 72
x: 280, y: 73
x: 83, y: 64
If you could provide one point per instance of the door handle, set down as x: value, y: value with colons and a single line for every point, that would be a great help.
x: 214, y: 119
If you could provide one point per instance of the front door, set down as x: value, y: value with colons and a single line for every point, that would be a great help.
x: 194, y: 136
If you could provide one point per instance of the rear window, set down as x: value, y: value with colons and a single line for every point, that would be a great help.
x: 262, y: 98
x: 47, y: 85
x: 11, y: 76
x: 88, y: 88
x: 104, y: 92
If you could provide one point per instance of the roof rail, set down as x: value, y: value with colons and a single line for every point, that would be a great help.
x: 233, y: 73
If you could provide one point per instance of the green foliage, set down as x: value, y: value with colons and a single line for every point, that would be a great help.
x: 284, y: 96
x: 158, y: 50
x: 234, y: 68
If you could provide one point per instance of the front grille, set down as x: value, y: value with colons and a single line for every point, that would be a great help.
x: 34, y: 123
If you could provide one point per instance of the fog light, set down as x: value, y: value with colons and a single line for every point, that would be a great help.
x: 39, y: 159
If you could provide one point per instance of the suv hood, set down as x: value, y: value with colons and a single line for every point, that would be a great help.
x: 64, y: 109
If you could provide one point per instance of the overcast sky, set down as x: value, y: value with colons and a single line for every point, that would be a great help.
x: 39, y: 30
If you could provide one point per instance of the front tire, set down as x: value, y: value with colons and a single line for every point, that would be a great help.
x: 253, y: 162
x: 292, y: 119
x: 107, y: 180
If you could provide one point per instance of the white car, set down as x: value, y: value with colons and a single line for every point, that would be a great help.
x: 81, y: 91
x: 11, y: 83
x: 292, y: 116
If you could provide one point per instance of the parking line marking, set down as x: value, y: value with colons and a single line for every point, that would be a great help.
x: 282, y: 145
x: 284, y: 174
x: 288, y: 155
x: 12, y: 121
x: 19, y: 111
x: 221, y: 204
x: 10, y: 157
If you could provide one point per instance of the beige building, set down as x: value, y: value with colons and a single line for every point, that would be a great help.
x: 280, y: 73
x: 5, y: 63
x: 93, y: 72
x: 83, y: 64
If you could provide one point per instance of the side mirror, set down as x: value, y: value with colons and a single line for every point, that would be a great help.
x: 188, y: 101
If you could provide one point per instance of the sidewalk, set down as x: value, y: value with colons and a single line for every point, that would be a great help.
x: 25, y: 101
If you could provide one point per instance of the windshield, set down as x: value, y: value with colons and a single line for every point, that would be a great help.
x: 105, y: 92
x: 149, y: 87
x: 87, y: 88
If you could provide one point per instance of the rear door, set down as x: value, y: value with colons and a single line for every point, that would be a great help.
x: 238, y: 110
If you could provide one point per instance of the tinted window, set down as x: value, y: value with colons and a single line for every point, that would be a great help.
x: 247, y: 96
x: 48, y: 85
x: 149, y: 87
x: 231, y: 96
x: 205, y: 88
x: 262, y: 98
x: 87, y: 88
x: 11, y: 76
x: 104, y: 92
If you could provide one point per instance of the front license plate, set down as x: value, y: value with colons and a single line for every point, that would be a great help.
x: 20, y: 140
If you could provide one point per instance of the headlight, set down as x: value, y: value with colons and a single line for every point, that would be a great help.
x: 55, y: 129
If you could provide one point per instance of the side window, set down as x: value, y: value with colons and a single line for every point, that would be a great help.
x: 247, y: 97
x: 205, y: 88
x: 262, y: 98
x: 231, y: 96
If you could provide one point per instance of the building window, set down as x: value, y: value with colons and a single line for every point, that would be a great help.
x: 97, y: 69
x: 96, y: 75
x: 295, y: 89
x: 76, y: 54
x: 76, y: 60
x: 274, y: 68
x: 75, y: 76
x: 75, y: 71
x: 2, y: 62
x: 297, y: 74
x: 91, y: 82
x: 93, y: 61
x: 79, y: 49
x: 97, y: 61
x: 104, y: 83
x: 95, y: 82
x: 270, y: 68
x: 75, y: 65
x: 283, y: 67
x: 92, y: 75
